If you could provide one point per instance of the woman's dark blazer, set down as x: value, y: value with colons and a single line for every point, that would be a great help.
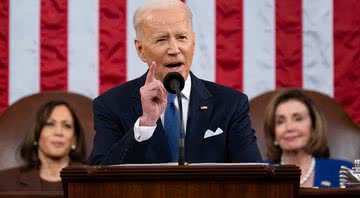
x: 20, y: 179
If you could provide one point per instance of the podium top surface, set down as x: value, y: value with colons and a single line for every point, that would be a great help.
x: 194, y: 171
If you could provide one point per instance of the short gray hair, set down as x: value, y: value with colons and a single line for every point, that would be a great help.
x: 154, y: 4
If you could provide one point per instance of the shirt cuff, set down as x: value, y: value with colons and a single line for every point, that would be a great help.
x: 142, y: 133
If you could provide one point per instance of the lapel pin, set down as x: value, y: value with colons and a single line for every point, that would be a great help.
x: 203, y: 107
x: 325, y: 183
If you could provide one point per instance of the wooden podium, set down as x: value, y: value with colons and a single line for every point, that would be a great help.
x: 172, y: 181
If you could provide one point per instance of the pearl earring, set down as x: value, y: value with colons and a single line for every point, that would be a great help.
x: 276, y: 143
x: 35, y: 143
x: 73, y: 147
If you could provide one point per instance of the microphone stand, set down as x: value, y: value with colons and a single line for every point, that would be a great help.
x: 181, y: 131
x: 174, y: 82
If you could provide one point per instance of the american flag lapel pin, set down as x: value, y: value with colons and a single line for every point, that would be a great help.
x: 203, y: 108
x: 325, y: 183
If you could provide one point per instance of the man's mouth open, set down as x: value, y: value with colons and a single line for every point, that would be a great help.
x: 173, y: 65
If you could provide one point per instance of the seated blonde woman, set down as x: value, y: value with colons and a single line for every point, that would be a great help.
x: 56, y: 141
x: 295, y: 134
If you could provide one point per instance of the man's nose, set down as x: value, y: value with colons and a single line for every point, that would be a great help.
x: 173, y: 47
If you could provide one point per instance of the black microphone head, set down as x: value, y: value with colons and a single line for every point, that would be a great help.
x: 174, y: 81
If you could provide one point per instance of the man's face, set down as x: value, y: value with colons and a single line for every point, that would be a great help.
x: 166, y: 37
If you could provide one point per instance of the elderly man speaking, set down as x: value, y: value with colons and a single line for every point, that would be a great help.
x: 132, y: 121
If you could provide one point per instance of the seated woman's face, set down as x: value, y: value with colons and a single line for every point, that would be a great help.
x: 58, y: 134
x: 292, y: 125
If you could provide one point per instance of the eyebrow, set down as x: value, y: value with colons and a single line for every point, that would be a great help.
x: 302, y: 113
x: 52, y: 119
x: 161, y: 36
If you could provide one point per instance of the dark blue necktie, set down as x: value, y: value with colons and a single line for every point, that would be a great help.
x: 172, y: 126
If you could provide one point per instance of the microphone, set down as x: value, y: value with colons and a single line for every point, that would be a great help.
x: 174, y: 82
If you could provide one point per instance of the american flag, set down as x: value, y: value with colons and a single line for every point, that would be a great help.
x: 86, y: 46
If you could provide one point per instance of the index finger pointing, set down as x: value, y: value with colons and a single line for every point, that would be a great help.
x: 151, y: 73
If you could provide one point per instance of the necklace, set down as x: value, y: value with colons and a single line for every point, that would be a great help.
x: 308, y: 172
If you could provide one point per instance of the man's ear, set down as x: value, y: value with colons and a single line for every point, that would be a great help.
x: 140, y: 50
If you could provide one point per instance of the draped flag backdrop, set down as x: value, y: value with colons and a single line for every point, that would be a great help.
x: 86, y: 46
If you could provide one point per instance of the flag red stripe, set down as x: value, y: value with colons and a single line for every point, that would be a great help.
x: 53, y: 45
x: 347, y: 55
x: 4, y: 55
x: 288, y: 43
x: 112, y: 44
x: 229, y: 43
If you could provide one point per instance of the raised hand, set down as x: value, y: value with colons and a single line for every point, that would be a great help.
x: 153, y: 98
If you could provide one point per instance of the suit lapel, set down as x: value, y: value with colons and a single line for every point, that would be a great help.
x: 30, y: 179
x: 136, y: 95
x: 201, y: 107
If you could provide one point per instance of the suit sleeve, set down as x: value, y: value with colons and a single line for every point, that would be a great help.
x: 242, y: 144
x: 114, y: 141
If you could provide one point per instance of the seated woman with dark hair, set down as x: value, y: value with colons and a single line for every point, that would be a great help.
x: 295, y: 134
x: 56, y: 141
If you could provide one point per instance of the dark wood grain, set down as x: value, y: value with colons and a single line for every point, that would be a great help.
x: 181, y: 181
x: 25, y: 194
x: 329, y: 193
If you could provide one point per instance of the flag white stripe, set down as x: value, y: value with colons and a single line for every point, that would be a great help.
x: 83, y: 53
x: 318, y: 46
x: 203, y: 64
x: 24, y: 54
x: 259, y: 46
x: 135, y: 67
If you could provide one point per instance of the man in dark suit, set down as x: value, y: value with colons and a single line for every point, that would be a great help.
x: 129, y: 118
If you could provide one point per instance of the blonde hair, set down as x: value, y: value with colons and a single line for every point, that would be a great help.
x: 317, y: 145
